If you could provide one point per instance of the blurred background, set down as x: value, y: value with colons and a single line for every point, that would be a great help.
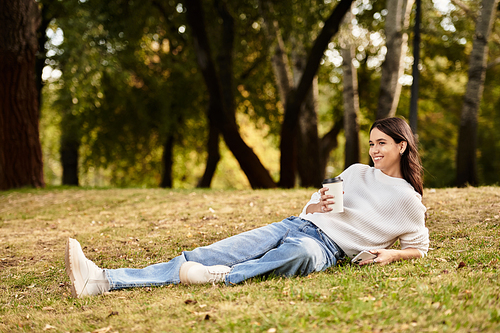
x: 258, y: 93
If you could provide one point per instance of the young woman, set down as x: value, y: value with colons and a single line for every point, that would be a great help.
x: 382, y: 204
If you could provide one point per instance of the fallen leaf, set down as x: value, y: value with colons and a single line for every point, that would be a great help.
x: 48, y: 327
x: 190, y: 301
x: 271, y: 330
x: 461, y: 265
x: 48, y: 308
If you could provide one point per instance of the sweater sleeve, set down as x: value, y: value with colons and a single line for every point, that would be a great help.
x: 315, y: 198
x: 418, y: 238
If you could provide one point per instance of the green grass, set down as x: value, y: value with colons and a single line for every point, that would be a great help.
x: 455, y: 289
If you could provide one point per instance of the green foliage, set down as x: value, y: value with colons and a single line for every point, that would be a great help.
x: 130, y: 81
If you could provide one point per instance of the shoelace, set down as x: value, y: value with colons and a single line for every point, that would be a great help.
x: 217, y: 276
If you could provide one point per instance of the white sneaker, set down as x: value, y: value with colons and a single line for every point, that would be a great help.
x: 195, y: 273
x: 86, y: 278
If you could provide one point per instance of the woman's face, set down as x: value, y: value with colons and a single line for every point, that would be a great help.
x: 385, y: 153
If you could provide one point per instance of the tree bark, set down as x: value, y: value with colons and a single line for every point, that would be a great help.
x: 20, y: 150
x: 467, y: 140
x: 70, y: 144
x: 288, y: 145
x: 213, y: 157
x: 69, y: 160
x: 351, y: 107
x: 308, y: 158
x: 328, y: 143
x: 223, y: 116
x: 167, y: 162
x: 308, y: 164
x: 397, y: 21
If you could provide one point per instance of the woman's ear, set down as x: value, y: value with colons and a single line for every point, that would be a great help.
x: 402, y: 147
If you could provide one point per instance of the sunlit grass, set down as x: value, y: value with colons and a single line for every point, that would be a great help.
x: 456, y: 288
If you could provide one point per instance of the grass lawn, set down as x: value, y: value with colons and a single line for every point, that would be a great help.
x: 456, y: 288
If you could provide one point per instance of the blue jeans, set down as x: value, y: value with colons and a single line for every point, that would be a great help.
x: 291, y: 247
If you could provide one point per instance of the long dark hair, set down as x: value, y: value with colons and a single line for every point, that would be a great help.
x: 411, y: 165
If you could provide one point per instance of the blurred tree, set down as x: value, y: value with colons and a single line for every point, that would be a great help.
x: 20, y: 150
x: 467, y: 140
x: 125, y: 91
x: 396, y: 39
x: 219, y: 83
x: 293, y: 104
x: 301, y: 149
x: 350, y: 96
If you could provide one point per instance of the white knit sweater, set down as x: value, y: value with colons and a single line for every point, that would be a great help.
x: 378, y: 210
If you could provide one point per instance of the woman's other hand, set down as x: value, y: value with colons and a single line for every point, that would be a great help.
x: 385, y: 256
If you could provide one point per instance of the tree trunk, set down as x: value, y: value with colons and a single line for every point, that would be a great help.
x: 308, y: 158
x: 351, y: 108
x: 167, y: 162
x: 467, y: 140
x: 213, y: 157
x: 20, y: 150
x: 69, y: 160
x: 223, y: 117
x: 279, y: 57
x: 328, y: 143
x: 41, y: 55
x: 415, y: 70
x: 288, y: 145
x: 397, y: 21
x: 70, y: 144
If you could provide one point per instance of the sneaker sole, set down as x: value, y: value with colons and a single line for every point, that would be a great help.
x: 72, y: 267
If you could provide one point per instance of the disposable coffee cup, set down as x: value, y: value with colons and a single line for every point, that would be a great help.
x: 335, y: 188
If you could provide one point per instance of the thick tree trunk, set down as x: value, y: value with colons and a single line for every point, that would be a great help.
x: 288, y: 145
x: 20, y: 150
x: 41, y: 54
x: 167, y: 162
x: 397, y: 21
x: 415, y: 86
x: 467, y: 140
x: 257, y: 174
x: 213, y: 157
x: 308, y: 158
x: 69, y: 160
x: 308, y: 164
x: 70, y: 144
x: 351, y: 108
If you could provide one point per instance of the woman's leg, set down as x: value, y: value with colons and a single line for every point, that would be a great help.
x: 302, y: 252
x: 240, y: 248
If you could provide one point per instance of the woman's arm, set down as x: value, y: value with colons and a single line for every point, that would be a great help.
x: 322, y: 205
x: 385, y: 256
